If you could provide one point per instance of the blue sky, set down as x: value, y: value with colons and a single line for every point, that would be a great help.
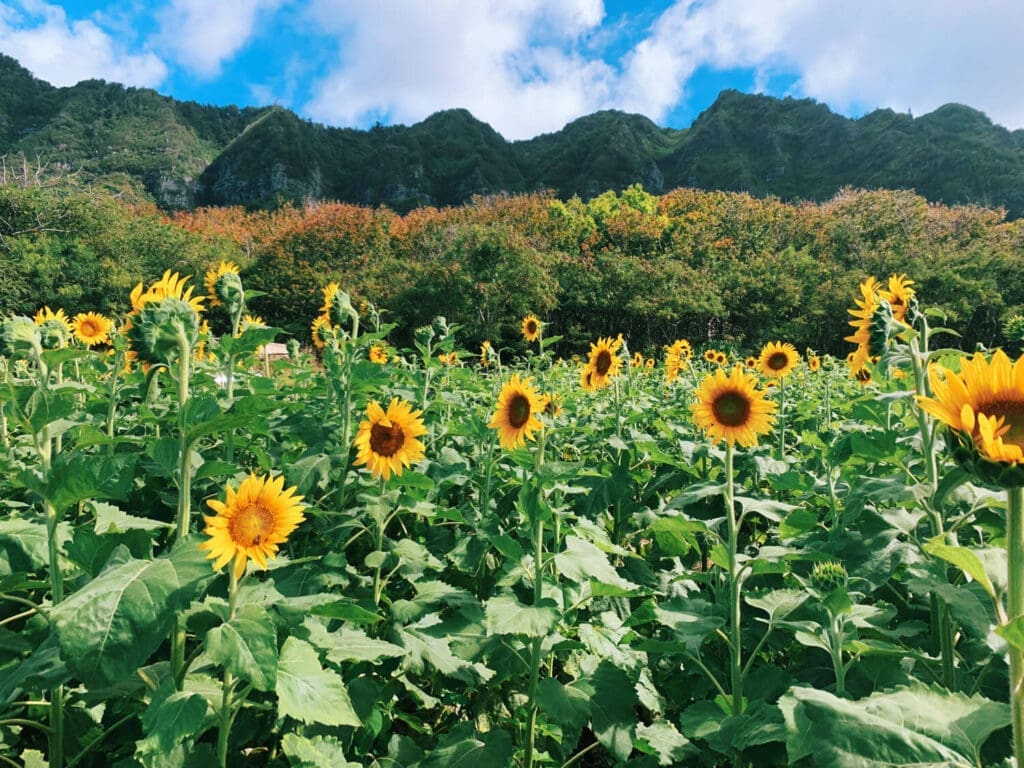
x: 530, y: 66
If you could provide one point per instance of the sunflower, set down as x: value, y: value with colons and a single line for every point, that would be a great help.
x: 386, y: 441
x: 531, y: 327
x: 46, y: 315
x: 676, y: 356
x: 552, y: 407
x: 202, y: 354
x: 486, y: 351
x: 750, y: 362
x: 637, y: 361
x: 649, y: 364
x: 92, y: 328
x: 170, y: 286
x: 985, y: 402
x: 899, y: 294
x: 866, y: 306
x: 378, y: 354
x: 730, y: 406
x: 587, y: 379
x: 448, y: 358
x: 515, y: 415
x: 814, y: 363
x: 213, y: 275
x: 252, y: 522
x: 777, y: 360
x: 721, y: 358
x: 604, y: 360
x: 250, y: 321
x: 329, y: 291
x: 710, y: 355
x: 320, y: 329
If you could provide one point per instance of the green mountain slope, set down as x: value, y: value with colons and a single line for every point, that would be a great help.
x: 185, y: 154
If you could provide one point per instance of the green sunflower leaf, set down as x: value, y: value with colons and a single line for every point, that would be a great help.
x: 317, y: 752
x: 113, y: 624
x: 246, y: 647
x: 308, y: 692
x: 505, y: 615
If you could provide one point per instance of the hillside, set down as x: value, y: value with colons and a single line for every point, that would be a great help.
x: 185, y: 154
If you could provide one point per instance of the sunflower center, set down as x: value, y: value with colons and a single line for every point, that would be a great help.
x: 731, y: 409
x: 89, y: 328
x: 531, y: 327
x: 386, y: 441
x: 1013, y: 412
x: 603, y: 362
x: 518, y: 411
x: 251, y: 526
x: 778, y: 360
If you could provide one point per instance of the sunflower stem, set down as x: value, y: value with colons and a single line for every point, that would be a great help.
x: 184, y: 494
x: 941, y: 617
x: 537, y: 643
x: 224, y: 727
x: 45, y: 446
x: 782, y: 418
x: 378, y: 588
x: 735, y: 641
x: 1015, y: 609
x: 485, y: 496
x: 5, y: 436
x: 836, y: 638
x: 112, y: 404
x: 57, y: 591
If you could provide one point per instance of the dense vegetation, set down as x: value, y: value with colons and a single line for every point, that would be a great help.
x: 214, y: 559
x: 701, y: 265
x: 182, y: 153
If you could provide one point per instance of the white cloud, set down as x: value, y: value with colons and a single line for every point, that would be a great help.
x: 527, y: 66
x: 916, y: 54
x: 516, y: 65
x: 63, y: 52
x: 202, y: 34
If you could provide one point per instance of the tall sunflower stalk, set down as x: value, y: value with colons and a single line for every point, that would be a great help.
x: 5, y: 435
x: 730, y: 407
x: 982, y: 405
x: 387, y: 442
x: 163, y: 329
x: 339, y: 355
x: 250, y: 524
x: 886, y: 313
x: 533, y: 331
x: 515, y: 419
x: 20, y: 336
x: 776, y: 362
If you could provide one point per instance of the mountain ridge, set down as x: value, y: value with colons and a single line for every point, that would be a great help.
x: 186, y: 154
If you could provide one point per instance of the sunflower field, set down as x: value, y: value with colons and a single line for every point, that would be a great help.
x: 381, y: 555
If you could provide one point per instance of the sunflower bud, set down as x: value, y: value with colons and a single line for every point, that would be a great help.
x: 828, y: 576
x: 230, y: 292
x: 424, y: 335
x: 341, y: 309
x: 293, y: 349
x: 19, y: 334
x: 883, y: 327
x: 160, y: 327
x: 441, y: 327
